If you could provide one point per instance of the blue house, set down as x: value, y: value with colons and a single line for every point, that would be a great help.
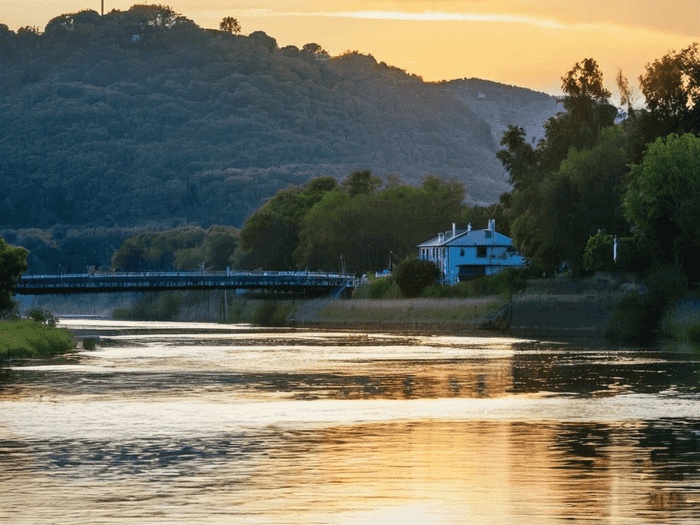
x: 465, y: 254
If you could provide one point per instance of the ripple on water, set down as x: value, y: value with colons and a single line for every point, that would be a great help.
x: 245, y: 426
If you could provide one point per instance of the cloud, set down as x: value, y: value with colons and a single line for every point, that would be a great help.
x: 432, y: 16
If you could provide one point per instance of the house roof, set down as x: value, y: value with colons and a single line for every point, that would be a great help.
x: 468, y: 238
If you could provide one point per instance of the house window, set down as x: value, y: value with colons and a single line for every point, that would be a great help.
x: 481, y: 252
x: 461, y: 252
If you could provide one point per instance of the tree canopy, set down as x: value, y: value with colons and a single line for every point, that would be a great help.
x: 13, y: 263
x: 663, y: 200
x: 230, y: 25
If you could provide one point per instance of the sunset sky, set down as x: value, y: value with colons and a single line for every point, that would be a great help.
x: 521, y: 42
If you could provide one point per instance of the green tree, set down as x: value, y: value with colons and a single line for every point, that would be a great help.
x: 568, y: 187
x: 663, y: 201
x: 314, y: 50
x: 361, y: 183
x: 13, y: 263
x: 230, y: 25
x: 598, y: 254
x: 366, y: 228
x: 271, y: 234
x: 671, y: 88
x: 413, y: 276
x: 518, y: 157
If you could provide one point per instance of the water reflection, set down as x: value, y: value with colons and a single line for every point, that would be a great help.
x: 244, y: 426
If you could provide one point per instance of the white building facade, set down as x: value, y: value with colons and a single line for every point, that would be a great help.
x: 466, y: 254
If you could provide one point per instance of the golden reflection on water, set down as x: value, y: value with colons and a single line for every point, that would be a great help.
x: 435, y: 472
x: 309, y: 427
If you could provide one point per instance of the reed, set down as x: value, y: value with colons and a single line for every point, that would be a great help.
x: 682, y: 324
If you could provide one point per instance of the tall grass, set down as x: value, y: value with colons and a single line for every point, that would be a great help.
x: 272, y: 314
x: 682, y: 324
x: 28, y: 338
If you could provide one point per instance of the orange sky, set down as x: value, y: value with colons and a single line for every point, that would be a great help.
x: 522, y: 42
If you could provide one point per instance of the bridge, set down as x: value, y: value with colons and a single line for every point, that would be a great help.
x: 306, y: 282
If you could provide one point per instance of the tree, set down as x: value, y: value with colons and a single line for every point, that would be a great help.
x: 413, y: 276
x: 314, y: 50
x: 585, y: 81
x: 663, y: 201
x: 598, y: 254
x: 518, y: 157
x: 671, y: 87
x: 623, y: 87
x: 567, y: 186
x: 361, y: 183
x: 13, y: 263
x: 271, y: 233
x: 664, y: 84
x: 230, y: 25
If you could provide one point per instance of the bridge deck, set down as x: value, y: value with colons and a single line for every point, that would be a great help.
x: 158, y: 281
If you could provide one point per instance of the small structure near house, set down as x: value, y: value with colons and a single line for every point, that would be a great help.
x: 466, y: 254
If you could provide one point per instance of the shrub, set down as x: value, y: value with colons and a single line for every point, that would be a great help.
x: 379, y: 288
x: 271, y: 314
x: 637, y: 316
x: 28, y: 338
x: 598, y: 254
x: 163, y: 306
x: 682, y: 324
x: 43, y: 317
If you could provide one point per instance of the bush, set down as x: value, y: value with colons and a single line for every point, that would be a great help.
x: 271, y: 314
x: 637, y: 317
x: 503, y: 283
x: 377, y: 288
x: 682, y: 324
x: 598, y: 254
x: 43, y: 317
x: 380, y: 288
x: 162, y: 306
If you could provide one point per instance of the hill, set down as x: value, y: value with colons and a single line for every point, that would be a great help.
x: 141, y: 117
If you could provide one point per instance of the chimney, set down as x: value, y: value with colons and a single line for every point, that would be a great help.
x: 454, y: 230
x: 469, y: 227
x: 492, y: 225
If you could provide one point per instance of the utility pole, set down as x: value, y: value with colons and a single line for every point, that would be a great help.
x: 103, y: 7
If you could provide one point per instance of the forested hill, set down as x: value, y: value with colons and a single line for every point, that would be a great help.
x: 141, y: 116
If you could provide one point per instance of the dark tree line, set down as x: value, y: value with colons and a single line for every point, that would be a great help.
x: 362, y: 222
x: 634, y: 177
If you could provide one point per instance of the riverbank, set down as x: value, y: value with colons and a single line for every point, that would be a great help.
x: 31, y: 339
x: 530, y: 315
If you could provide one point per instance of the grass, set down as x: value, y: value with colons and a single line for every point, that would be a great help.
x: 412, y: 310
x: 31, y: 339
x: 682, y: 324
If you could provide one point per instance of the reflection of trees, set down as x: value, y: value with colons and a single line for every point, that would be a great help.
x: 575, y: 372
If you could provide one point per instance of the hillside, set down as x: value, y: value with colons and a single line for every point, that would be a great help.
x: 142, y: 117
x: 502, y: 105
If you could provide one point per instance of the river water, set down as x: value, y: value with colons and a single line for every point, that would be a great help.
x: 203, y: 423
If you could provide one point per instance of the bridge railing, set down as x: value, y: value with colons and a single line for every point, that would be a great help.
x: 190, y: 273
x: 145, y: 281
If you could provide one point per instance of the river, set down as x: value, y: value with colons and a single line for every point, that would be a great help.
x: 204, y: 423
